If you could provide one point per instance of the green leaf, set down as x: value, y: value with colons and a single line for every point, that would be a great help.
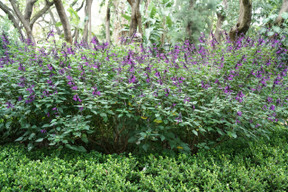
x: 127, y: 17
x: 19, y: 139
x: 76, y: 148
x: 31, y: 136
x: 39, y: 140
x: 58, y: 24
x: 8, y: 124
x: 232, y: 134
x: 146, y: 146
x: 84, y: 138
x: 30, y: 146
x: 276, y: 29
x: 270, y: 33
x: 195, y: 132
x: 285, y: 15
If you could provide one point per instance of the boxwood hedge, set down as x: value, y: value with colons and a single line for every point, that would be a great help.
x: 231, y: 166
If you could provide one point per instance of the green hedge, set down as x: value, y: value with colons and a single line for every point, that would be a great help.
x: 241, y: 166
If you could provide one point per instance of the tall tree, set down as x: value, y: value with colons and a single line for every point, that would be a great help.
x: 244, y: 20
x: 283, y: 9
x: 26, y: 20
x: 64, y: 20
x: 87, y: 26
x: 221, y: 15
x: 107, y: 23
x: 119, y: 21
x: 190, y: 22
x: 136, y: 19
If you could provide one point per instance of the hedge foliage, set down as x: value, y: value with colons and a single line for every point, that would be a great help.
x: 232, y: 166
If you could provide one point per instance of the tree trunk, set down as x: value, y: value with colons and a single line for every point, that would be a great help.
x: 25, y: 19
x: 87, y: 26
x: 244, y: 20
x: 284, y: 8
x: 64, y: 20
x: 189, y: 24
x: 139, y: 18
x: 136, y: 20
x: 108, y: 37
x: 221, y: 18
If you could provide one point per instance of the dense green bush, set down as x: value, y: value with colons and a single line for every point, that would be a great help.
x: 98, y: 98
x: 233, y: 166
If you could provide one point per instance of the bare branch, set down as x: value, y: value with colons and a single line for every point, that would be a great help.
x: 81, y: 6
x: 73, y: 3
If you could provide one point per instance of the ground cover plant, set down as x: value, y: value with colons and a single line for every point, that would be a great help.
x: 237, y: 165
x: 120, y: 99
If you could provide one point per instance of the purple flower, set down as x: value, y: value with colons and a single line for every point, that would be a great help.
x: 21, y: 68
x: 95, y: 92
x: 50, y: 67
x: 9, y: 105
x: 239, y: 113
x: 74, y: 87
x: 187, y: 99
x: 239, y: 96
x: 272, y: 107
x: 43, y: 131
x: 237, y: 121
x: 76, y: 98
x: 132, y: 79
x: 157, y: 74
x: 269, y: 100
x: 230, y: 77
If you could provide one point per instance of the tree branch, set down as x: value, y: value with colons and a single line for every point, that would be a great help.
x: 8, y: 11
x: 23, y: 21
x: 81, y: 6
x: 17, y: 11
x: 41, y: 12
x: 29, y: 9
x: 131, y: 2
x: 73, y: 3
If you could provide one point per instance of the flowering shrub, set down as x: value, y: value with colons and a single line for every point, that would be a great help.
x: 113, y: 99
